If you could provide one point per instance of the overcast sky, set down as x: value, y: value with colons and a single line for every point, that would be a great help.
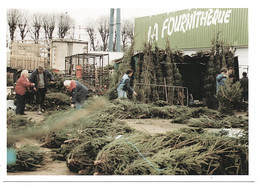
x: 82, y: 10
x: 84, y: 15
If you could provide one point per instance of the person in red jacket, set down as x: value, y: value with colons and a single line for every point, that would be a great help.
x: 20, y: 89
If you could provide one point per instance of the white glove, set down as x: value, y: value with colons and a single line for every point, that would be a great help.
x: 72, y: 105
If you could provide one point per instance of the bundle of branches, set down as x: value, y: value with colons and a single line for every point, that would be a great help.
x: 17, y: 121
x: 220, y: 57
x: 115, y: 156
x: 94, y: 125
x: 179, y: 114
x: 183, y: 114
x: 56, y: 101
x: 58, y: 86
x: 185, y: 154
x: 94, y: 129
x: 229, y: 95
x: 27, y: 158
x: 156, y: 66
x: 235, y: 122
x: 205, y: 121
x: 81, y: 158
x: 127, y: 109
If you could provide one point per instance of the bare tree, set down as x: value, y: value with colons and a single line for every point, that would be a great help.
x: 12, y: 20
x: 36, y: 26
x: 23, y: 24
x: 92, y: 36
x: 104, y: 31
x: 65, y: 22
x: 127, y: 33
x: 48, y: 24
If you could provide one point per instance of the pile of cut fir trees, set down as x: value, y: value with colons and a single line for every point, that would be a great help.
x: 95, y: 140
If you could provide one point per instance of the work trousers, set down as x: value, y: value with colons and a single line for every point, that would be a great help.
x: 40, y: 96
x: 244, y: 101
x: 121, y: 93
x: 20, y: 104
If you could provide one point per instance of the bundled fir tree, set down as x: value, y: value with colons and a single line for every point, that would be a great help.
x: 229, y: 95
x: 220, y: 57
x: 217, y: 54
x: 223, y: 56
x: 210, y: 80
x: 168, y: 74
x: 157, y: 73
x: 146, y: 76
x: 176, y: 74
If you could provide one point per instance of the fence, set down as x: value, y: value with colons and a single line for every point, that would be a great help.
x: 171, y: 94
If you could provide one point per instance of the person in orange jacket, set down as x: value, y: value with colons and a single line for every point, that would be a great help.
x: 20, y: 89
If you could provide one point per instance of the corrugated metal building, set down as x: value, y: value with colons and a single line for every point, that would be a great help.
x: 193, y: 29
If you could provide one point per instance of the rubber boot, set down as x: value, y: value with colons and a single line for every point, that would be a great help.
x: 39, y: 112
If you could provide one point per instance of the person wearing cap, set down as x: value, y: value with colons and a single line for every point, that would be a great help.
x: 40, y: 77
x: 20, y: 89
x: 124, y: 85
x: 77, y: 91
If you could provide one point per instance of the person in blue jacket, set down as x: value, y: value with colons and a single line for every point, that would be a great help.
x: 124, y: 85
x: 220, y: 79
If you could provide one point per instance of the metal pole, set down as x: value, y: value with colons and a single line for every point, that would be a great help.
x: 111, y: 30
x: 118, y: 30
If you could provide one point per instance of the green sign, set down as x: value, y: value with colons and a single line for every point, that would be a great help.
x: 193, y: 28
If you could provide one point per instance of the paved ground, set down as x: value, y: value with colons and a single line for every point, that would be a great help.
x: 153, y: 126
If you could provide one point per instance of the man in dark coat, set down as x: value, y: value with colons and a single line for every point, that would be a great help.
x: 78, y: 93
x: 39, y: 77
x: 244, y: 86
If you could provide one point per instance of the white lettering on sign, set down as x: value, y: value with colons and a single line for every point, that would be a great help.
x: 189, y: 21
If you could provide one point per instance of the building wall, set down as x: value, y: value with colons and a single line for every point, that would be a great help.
x: 60, y: 50
x: 112, y: 56
x: 193, y: 28
x: 243, y: 63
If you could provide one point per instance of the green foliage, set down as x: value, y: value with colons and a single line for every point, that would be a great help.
x: 18, y: 121
x: 118, y: 73
x: 57, y: 101
x: 220, y: 57
x: 153, y: 66
x: 10, y: 82
x: 27, y: 158
x: 175, y: 153
x: 229, y: 95
x: 86, y: 139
